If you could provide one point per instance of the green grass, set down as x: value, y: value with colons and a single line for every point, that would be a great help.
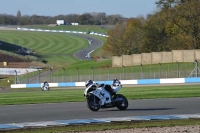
x: 87, y: 64
x: 108, y: 126
x: 153, y: 92
x: 36, y: 96
x: 56, y: 48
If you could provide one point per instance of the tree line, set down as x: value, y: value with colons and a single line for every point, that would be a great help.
x: 174, y: 26
x: 83, y: 19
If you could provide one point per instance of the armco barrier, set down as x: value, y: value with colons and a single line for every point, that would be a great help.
x: 61, y: 31
x: 123, y: 82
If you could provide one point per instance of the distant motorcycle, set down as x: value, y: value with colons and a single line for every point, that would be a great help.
x: 98, y: 97
x: 45, y: 87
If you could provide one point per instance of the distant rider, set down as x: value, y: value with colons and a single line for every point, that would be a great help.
x: 115, y: 81
x: 45, y: 83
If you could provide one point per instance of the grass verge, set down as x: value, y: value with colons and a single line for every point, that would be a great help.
x: 36, y: 96
x: 108, y: 126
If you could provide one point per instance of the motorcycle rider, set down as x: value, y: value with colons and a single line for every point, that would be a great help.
x: 88, y: 83
x: 107, y: 86
x: 115, y: 80
x: 45, y: 83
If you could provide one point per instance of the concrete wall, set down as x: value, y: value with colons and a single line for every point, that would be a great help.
x: 137, y: 59
x: 197, y: 55
x: 177, y: 56
x: 156, y: 57
x: 146, y: 58
x: 188, y: 55
x: 117, y: 61
x: 166, y: 57
x: 127, y: 60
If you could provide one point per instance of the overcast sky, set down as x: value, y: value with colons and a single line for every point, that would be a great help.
x: 127, y: 8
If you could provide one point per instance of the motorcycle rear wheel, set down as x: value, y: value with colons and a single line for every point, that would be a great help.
x: 93, y: 102
x: 121, y: 105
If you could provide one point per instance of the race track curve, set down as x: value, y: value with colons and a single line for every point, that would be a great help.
x: 94, y: 43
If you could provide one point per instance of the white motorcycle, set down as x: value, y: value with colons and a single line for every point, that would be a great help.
x: 45, y: 87
x: 98, y: 97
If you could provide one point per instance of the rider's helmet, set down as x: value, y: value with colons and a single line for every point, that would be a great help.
x: 89, y: 82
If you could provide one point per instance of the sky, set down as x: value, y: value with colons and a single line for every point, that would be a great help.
x: 126, y: 8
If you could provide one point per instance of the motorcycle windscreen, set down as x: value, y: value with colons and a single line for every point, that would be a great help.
x: 116, y: 88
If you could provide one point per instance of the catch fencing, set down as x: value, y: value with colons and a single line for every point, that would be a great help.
x: 158, y: 71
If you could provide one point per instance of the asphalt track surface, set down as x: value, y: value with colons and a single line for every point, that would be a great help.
x: 79, y: 110
x: 93, y: 44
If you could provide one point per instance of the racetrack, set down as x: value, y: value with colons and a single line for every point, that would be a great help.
x: 79, y: 110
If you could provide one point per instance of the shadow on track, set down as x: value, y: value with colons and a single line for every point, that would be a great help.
x: 147, y: 109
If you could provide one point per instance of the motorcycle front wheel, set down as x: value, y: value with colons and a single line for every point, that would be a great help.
x: 45, y: 88
x: 93, y: 102
x: 123, y: 104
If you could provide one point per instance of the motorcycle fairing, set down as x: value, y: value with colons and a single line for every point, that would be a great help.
x: 102, y: 95
x: 116, y: 88
x: 89, y: 88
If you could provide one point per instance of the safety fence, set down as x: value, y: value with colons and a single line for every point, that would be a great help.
x: 161, y: 71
